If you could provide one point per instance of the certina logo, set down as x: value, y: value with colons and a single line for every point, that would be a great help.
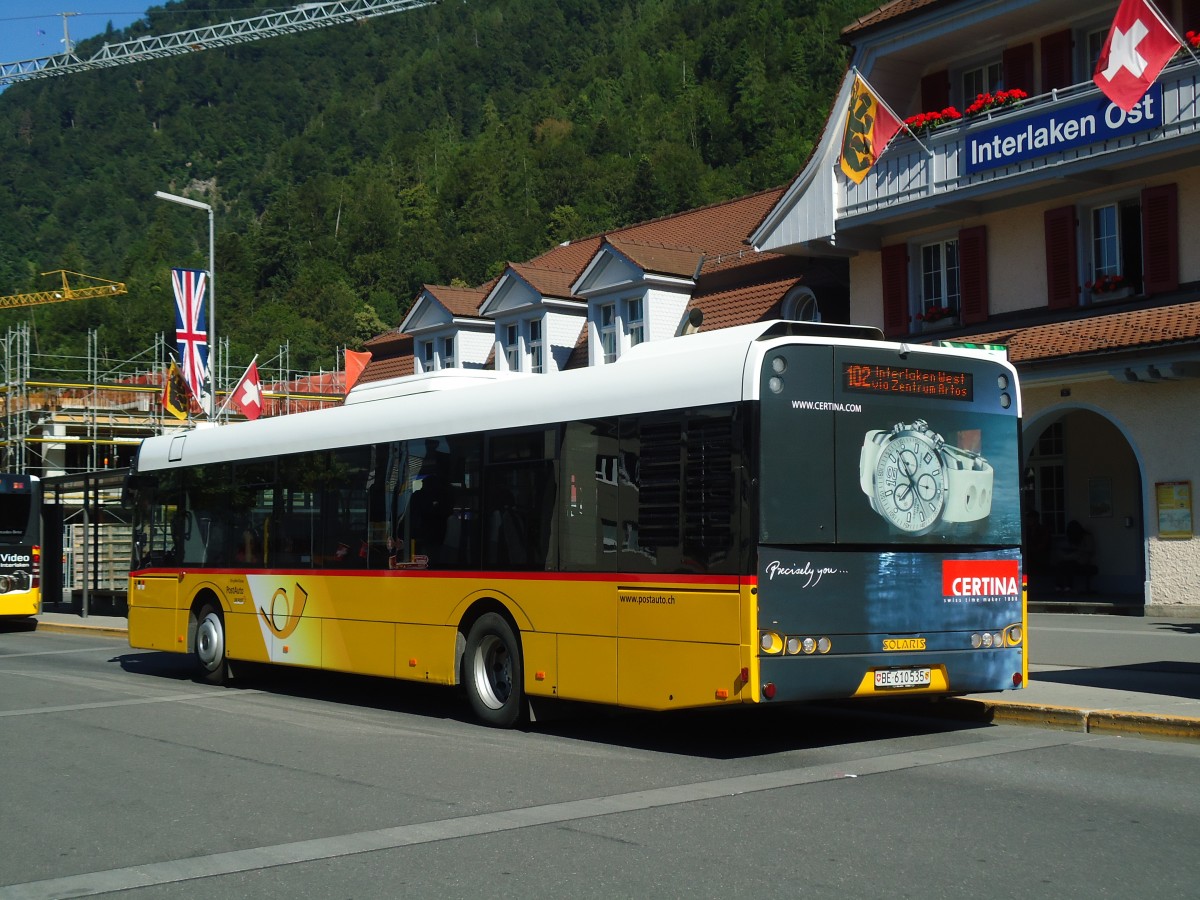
x: 980, y: 581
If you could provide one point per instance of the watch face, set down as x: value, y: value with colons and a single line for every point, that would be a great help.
x: 910, y: 486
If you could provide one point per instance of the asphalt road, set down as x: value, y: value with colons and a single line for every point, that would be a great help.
x: 123, y: 775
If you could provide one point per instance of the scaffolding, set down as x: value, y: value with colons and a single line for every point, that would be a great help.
x: 68, y: 415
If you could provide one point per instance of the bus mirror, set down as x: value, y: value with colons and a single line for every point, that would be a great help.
x: 134, y: 484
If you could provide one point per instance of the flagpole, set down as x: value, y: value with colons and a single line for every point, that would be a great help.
x: 879, y: 99
x: 212, y: 296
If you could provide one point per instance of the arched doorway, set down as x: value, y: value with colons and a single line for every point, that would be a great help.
x: 1080, y: 467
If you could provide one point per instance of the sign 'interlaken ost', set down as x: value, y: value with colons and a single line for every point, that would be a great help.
x: 1088, y: 122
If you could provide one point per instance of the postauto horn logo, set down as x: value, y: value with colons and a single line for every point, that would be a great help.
x: 981, y: 580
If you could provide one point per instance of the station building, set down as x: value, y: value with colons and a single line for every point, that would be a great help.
x: 1051, y: 225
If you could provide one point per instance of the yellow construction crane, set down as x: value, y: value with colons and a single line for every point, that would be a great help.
x: 105, y: 288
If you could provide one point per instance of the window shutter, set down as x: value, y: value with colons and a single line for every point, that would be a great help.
x: 973, y: 274
x: 935, y: 91
x: 1160, y: 239
x: 1056, y: 61
x: 1018, y: 68
x: 1062, y: 263
x: 894, y: 260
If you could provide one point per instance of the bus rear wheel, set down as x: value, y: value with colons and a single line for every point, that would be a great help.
x: 210, y: 645
x: 493, y: 671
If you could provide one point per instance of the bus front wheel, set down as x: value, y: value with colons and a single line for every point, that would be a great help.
x: 210, y: 645
x: 493, y: 671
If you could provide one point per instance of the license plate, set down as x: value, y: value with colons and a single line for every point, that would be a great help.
x: 901, y: 678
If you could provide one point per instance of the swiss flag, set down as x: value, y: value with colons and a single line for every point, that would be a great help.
x: 248, y: 393
x: 1139, y: 44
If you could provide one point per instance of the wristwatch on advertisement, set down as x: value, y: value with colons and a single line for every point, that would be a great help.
x: 917, y: 481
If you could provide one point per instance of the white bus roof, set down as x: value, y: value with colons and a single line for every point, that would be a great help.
x: 696, y: 370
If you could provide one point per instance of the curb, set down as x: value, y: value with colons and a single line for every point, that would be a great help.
x: 67, y: 628
x: 1069, y: 718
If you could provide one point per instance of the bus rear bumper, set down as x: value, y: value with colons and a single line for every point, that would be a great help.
x: 899, y: 674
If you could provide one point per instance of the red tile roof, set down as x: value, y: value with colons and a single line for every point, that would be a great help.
x: 659, y: 258
x: 889, y: 11
x: 459, y: 301
x: 546, y: 281
x: 742, y: 305
x: 718, y: 231
x: 572, y: 256
x: 393, y: 367
x: 1135, y: 329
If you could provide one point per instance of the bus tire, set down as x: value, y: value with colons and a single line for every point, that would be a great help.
x: 210, y: 645
x: 493, y: 671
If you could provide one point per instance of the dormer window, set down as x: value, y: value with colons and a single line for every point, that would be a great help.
x: 434, y: 354
x: 521, y: 345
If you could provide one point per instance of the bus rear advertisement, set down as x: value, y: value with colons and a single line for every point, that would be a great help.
x: 20, y: 545
x: 770, y: 513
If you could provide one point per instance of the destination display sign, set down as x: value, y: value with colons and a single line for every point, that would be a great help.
x: 910, y: 381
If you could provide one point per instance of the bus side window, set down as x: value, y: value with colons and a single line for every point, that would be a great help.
x: 587, y: 496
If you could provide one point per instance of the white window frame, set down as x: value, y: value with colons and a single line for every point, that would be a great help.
x: 448, y: 358
x: 1104, y: 241
x: 535, y: 328
x: 940, y: 286
x: 428, y: 355
x: 634, y: 309
x: 988, y: 75
x: 511, y: 345
x: 1116, y: 256
x: 608, y: 332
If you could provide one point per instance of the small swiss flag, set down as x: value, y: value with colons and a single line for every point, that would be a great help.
x: 248, y: 393
x: 1139, y: 44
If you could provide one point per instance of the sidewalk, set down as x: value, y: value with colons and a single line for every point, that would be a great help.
x: 1092, y: 673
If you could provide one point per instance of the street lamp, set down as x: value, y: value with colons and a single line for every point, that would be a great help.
x: 212, y: 293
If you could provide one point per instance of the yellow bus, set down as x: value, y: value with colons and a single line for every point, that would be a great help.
x: 775, y: 512
x: 20, y: 545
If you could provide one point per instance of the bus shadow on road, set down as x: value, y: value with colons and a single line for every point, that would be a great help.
x: 17, y: 625
x: 721, y: 733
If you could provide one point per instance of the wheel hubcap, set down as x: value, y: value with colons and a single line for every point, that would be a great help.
x: 210, y: 642
x: 493, y: 672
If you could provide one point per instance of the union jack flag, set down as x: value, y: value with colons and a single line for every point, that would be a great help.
x: 191, y: 327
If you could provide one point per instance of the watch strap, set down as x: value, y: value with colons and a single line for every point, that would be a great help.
x: 969, y: 480
x: 867, y: 458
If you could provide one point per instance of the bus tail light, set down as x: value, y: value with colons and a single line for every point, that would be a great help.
x: 795, y: 645
x: 36, y: 574
x: 770, y: 642
x: 769, y: 690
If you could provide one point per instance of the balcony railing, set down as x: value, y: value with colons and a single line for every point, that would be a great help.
x: 974, y: 155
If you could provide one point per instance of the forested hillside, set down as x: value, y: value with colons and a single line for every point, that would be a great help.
x: 351, y: 164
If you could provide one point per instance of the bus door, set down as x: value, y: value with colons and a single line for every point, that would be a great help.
x: 159, y: 531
